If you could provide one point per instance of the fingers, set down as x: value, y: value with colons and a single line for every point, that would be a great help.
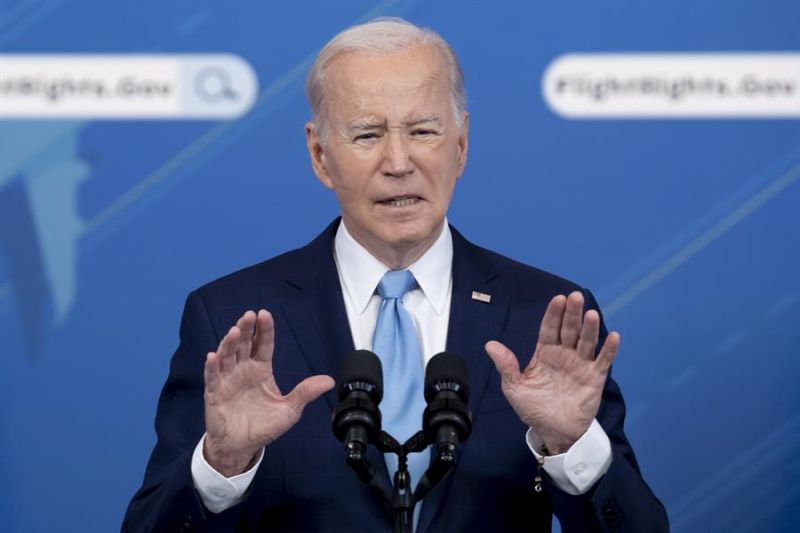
x: 504, y: 361
x: 550, y: 330
x: 608, y: 352
x: 252, y: 336
x: 571, y: 325
x: 264, y: 342
x: 309, y: 390
x: 228, y: 347
x: 590, y: 331
x: 211, y: 372
x: 246, y: 325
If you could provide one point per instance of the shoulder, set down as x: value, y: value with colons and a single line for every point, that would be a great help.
x: 526, y: 285
x: 272, y: 279
x: 522, y: 276
x: 526, y: 275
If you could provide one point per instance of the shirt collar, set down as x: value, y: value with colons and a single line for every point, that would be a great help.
x: 360, y: 271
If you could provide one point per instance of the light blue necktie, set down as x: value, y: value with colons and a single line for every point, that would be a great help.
x: 395, y: 342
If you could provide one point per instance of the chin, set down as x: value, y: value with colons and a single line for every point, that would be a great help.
x: 408, y: 235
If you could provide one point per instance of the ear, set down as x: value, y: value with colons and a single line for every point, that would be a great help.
x: 316, y: 152
x: 463, y: 146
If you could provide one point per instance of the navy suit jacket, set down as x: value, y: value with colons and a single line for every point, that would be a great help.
x: 303, y: 483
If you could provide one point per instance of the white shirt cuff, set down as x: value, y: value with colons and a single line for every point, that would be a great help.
x: 576, y: 470
x: 217, y: 491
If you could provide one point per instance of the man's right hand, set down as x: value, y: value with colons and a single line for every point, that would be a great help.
x: 245, y: 410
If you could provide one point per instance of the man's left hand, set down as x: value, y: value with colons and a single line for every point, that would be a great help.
x: 558, y: 393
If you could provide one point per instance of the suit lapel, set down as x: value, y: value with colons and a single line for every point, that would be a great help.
x: 473, y: 322
x: 318, y: 319
x: 316, y: 315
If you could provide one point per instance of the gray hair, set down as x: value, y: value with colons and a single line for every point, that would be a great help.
x: 382, y: 36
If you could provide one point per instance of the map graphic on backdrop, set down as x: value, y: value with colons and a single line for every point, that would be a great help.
x: 40, y: 175
x: 41, y: 170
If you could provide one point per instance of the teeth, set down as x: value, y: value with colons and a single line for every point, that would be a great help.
x: 402, y: 202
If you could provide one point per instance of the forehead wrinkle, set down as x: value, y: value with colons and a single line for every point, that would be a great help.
x: 363, y: 98
x: 420, y: 116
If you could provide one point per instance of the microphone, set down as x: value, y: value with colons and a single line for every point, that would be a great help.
x: 356, y: 418
x: 447, y: 420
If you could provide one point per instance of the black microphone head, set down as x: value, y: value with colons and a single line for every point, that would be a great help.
x: 446, y: 371
x: 361, y: 366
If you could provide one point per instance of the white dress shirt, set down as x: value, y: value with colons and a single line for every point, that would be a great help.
x: 573, y: 472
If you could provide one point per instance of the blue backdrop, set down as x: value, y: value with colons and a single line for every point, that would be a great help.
x: 686, y: 230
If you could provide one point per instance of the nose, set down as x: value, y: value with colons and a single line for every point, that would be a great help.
x: 397, y: 156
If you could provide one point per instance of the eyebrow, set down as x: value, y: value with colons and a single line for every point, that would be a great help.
x: 372, y: 124
x: 366, y: 124
x: 423, y: 120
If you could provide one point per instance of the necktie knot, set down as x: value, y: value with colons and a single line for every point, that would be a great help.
x: 396, y: 283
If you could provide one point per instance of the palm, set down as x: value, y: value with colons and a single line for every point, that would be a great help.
x: 558, y: 393
x: 245, y: 409
x: 247, y: 406
x: 564, y: 390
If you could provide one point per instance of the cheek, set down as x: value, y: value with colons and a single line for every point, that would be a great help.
x: 357, y: 163
x: 348, y: 177
x: 444, y: 176
x: 440, y: 161
x: 353, y: 195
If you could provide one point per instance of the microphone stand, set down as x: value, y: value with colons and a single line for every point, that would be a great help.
x: 401, y: 500
x: 356, y: 457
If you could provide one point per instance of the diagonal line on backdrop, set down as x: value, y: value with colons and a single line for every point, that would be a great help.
x: 175, y: 162
x: 742, y: 211
x: 186, y: 154
x: 30, y: 19
x: 754, y: 518
x: 712, y: 491
x: 16, y: 12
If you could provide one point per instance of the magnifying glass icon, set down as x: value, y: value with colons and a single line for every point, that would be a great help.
x: 213, y: 84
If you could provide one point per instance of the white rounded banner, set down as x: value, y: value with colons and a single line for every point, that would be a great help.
x: 130, y: 86
x: 686, y: 85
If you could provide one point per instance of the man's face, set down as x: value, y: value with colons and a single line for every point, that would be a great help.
x: 393, y: 150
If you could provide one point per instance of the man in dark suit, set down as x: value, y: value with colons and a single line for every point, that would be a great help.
x: 389, y: 136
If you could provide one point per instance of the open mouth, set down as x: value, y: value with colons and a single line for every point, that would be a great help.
x: 400, y: 201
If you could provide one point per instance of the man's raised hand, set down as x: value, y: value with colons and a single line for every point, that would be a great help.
x: 245, y: 410
x: 558, y: 393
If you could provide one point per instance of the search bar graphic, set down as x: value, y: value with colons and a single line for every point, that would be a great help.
x: 130, y: 86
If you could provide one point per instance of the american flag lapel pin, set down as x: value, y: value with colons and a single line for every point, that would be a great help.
x: 481, y: 297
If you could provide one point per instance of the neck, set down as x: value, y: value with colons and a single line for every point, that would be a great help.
x: 401, y: 255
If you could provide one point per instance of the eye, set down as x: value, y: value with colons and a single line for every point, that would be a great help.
x: 422, y: 132
x: 366, y: 136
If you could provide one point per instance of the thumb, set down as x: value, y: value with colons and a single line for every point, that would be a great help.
x: 309, y: 390
x: 504, y: 360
